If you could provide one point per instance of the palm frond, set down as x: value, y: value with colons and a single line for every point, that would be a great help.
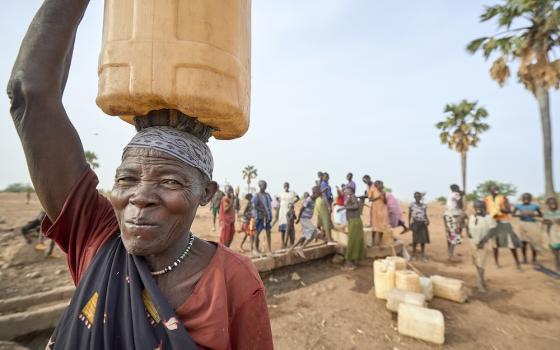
x: 474, y: 45
x: 489, y: 13
x: 462, y: 125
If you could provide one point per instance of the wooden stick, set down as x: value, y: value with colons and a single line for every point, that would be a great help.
x: 412, y: 267
x: 415, y: 269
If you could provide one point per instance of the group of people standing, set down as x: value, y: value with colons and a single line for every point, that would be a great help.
x: 261, y: 212
x: 494, y: 219
x: 342, y: 210
x: 345, y: 210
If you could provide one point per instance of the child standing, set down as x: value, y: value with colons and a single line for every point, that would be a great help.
x: 418, y: 221
x: 290, y: 226
x: 552, y: 226
x: 275, y: 210
x: 227, y: 217
x: 248, y: 224
x: 339, y: 212
x: 480, y: 229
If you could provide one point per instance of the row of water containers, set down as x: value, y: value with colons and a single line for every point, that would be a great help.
x: 408, y: 294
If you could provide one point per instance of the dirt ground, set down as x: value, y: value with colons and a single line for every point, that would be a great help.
x: 323, y: 307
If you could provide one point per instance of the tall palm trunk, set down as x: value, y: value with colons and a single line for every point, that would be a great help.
x: 249, y: 185
x: 464, y: 170
x: 544, y: 106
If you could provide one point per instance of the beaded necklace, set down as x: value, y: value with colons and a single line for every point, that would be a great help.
x: 177, y: 261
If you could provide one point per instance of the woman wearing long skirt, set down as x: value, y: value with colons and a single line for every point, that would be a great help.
x: 454, y: 219
x: 379, y: 212
x: 355, y: 249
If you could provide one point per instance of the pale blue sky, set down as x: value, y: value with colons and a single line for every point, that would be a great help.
x: 346, y: 85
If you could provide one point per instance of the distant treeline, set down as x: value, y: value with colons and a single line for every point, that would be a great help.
x: 18, y: 188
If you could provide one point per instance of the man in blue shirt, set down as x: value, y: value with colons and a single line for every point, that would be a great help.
x: 262, y: 212
x: 529, y: 229
x: 326, y: 190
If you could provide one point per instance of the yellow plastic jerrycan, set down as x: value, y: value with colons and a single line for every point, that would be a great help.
x: 189, y: 55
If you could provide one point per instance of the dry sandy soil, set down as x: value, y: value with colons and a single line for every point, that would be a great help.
x: 326, y: 308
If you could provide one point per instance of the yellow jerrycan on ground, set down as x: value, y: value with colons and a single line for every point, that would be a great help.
x: 193, y: 56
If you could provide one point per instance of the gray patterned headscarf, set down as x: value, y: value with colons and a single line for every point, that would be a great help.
x: 178, y: 144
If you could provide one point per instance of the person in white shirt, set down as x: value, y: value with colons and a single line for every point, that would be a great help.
x: 286, y: 198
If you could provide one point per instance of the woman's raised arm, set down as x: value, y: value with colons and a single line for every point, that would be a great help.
x: 53, y: 149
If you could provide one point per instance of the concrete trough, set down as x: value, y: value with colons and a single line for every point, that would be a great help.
x: 22, y: 303
x: 22, y: 323
x: 282, y: 259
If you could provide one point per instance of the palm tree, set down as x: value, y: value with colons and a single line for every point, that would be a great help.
x: 249, y: 173
x: 531, y: 42
x: 461, y: 130
x: 91, y: 158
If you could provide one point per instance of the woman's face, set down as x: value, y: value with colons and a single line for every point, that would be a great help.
x: 155, y: 198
